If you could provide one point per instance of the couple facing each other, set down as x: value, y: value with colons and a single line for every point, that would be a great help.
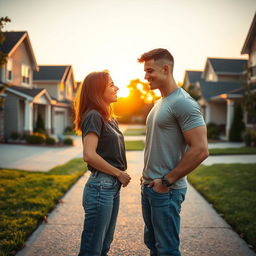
x: 176, y: 144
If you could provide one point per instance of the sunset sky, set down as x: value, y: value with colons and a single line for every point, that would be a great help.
x: 111, y: 34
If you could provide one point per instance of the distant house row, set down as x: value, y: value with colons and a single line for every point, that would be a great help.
x: 33, y: 90
x: 221, y: 84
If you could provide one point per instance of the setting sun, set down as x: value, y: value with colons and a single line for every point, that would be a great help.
x: 123, y: 92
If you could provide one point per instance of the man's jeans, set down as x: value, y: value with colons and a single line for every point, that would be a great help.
x: 161, y: 214
x: 101, y: 204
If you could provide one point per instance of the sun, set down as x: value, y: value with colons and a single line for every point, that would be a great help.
x: 123, y: 92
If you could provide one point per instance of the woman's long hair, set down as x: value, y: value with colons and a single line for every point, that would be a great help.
x: 90, y: 96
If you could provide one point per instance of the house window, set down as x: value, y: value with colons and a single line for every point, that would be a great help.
x: 25, y: 73
x: 9, y: 70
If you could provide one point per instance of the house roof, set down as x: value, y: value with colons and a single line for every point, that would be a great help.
x: 194, y: 76
x: 13, y: 39
x: 52, y: 73
x: 32, y: 92
x: 228, y: 66
x: 250, y: 37
x: 212, y: 89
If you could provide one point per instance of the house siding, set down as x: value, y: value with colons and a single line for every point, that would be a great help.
x: 50, y: 87
x: 19, y: 57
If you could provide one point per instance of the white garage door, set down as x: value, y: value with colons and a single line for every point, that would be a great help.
x: 59, y: 122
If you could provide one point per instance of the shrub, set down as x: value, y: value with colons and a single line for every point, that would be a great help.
x: 213, y: 131
x: 36, y: 138
x: 15, y: 135
x: 238, y: 126
x: 68, y: 141
x: 247, y: 138
x: 50, y: 141
x: 69, y: 131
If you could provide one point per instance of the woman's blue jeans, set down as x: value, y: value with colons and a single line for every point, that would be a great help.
x: 101, y: 204
x: 161, y: 214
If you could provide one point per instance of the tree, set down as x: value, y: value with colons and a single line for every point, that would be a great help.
x: 249, y: 99
x: 238, y: 125
x: 3, y: 55
x: 138, y: 103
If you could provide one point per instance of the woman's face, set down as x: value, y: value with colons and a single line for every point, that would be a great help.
x: 110, y: 93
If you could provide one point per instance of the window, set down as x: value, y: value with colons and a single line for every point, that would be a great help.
x: 25, y: 73
x: 9, y: 70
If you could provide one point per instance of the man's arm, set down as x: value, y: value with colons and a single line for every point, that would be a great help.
x: 196, y: 138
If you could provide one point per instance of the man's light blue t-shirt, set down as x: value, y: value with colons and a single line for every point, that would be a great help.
x: 165, y: 143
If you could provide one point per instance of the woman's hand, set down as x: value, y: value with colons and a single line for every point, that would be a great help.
x: 124, y: 178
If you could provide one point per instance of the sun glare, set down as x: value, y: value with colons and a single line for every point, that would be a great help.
x: 123, y: 92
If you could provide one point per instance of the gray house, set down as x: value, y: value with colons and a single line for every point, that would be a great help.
x: 59, y: 81
x: 23, y: 102
x: 249, y: 48
x: 220, y: 85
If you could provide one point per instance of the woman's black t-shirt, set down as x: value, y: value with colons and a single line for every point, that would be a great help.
x: 111, y: 141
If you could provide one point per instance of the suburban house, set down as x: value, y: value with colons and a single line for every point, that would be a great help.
x: 191, y: 77
x: 220, y: 85
x: 23, y: 103
x: 249, y: 48
x: 59, y: 81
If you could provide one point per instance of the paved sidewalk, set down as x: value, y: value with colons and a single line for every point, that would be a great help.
x: 203, y: 231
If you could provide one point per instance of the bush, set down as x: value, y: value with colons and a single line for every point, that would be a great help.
x: 69, y: 131
x: 36, y: 138
x: 213, y: 131
x: 68, y: 141
x: 250, y: 137
x: 238, y: 126
x: 50, y: 141
x: 15, y: 135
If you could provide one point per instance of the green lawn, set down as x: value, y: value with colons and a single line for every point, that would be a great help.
x: 231, y: 189
x: 135, y: 132
x: 233, y: 151
x: 26, y: 197
x: 134, y: 145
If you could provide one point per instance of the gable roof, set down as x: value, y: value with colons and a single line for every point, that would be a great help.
x: 228, y: 66
x: 250, y: 37
x: 28, y: 93
x: 194, y: 76
x: 212, y: 89
x: 52, y: 73
x: 13, y: 39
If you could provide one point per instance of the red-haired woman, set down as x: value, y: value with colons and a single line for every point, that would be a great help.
x: 104, y: 152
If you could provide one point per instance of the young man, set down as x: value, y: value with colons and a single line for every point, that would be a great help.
x: 176, y: 143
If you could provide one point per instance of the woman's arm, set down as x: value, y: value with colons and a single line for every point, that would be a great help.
x: 90, y: 142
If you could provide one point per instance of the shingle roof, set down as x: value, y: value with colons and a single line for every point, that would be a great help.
x: 194, y: 76
x: 228, y: 66
x: 250, y: 37
x: 11, y: 39
x: 212, y: 89
x: 32, y: 92
x: 54, y: 73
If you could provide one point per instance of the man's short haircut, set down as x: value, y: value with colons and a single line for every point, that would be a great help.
x: 156, y: 54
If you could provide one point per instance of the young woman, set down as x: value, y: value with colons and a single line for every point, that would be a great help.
x: 104, y: 152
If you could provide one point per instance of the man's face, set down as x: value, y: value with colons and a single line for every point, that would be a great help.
x: 154, y: 73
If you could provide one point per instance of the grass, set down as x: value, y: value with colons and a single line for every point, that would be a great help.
x: 134, y: 145
x: 233, y: 151
x: 231, y: 189
x: 135, y: 132
x: 26, y: 197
